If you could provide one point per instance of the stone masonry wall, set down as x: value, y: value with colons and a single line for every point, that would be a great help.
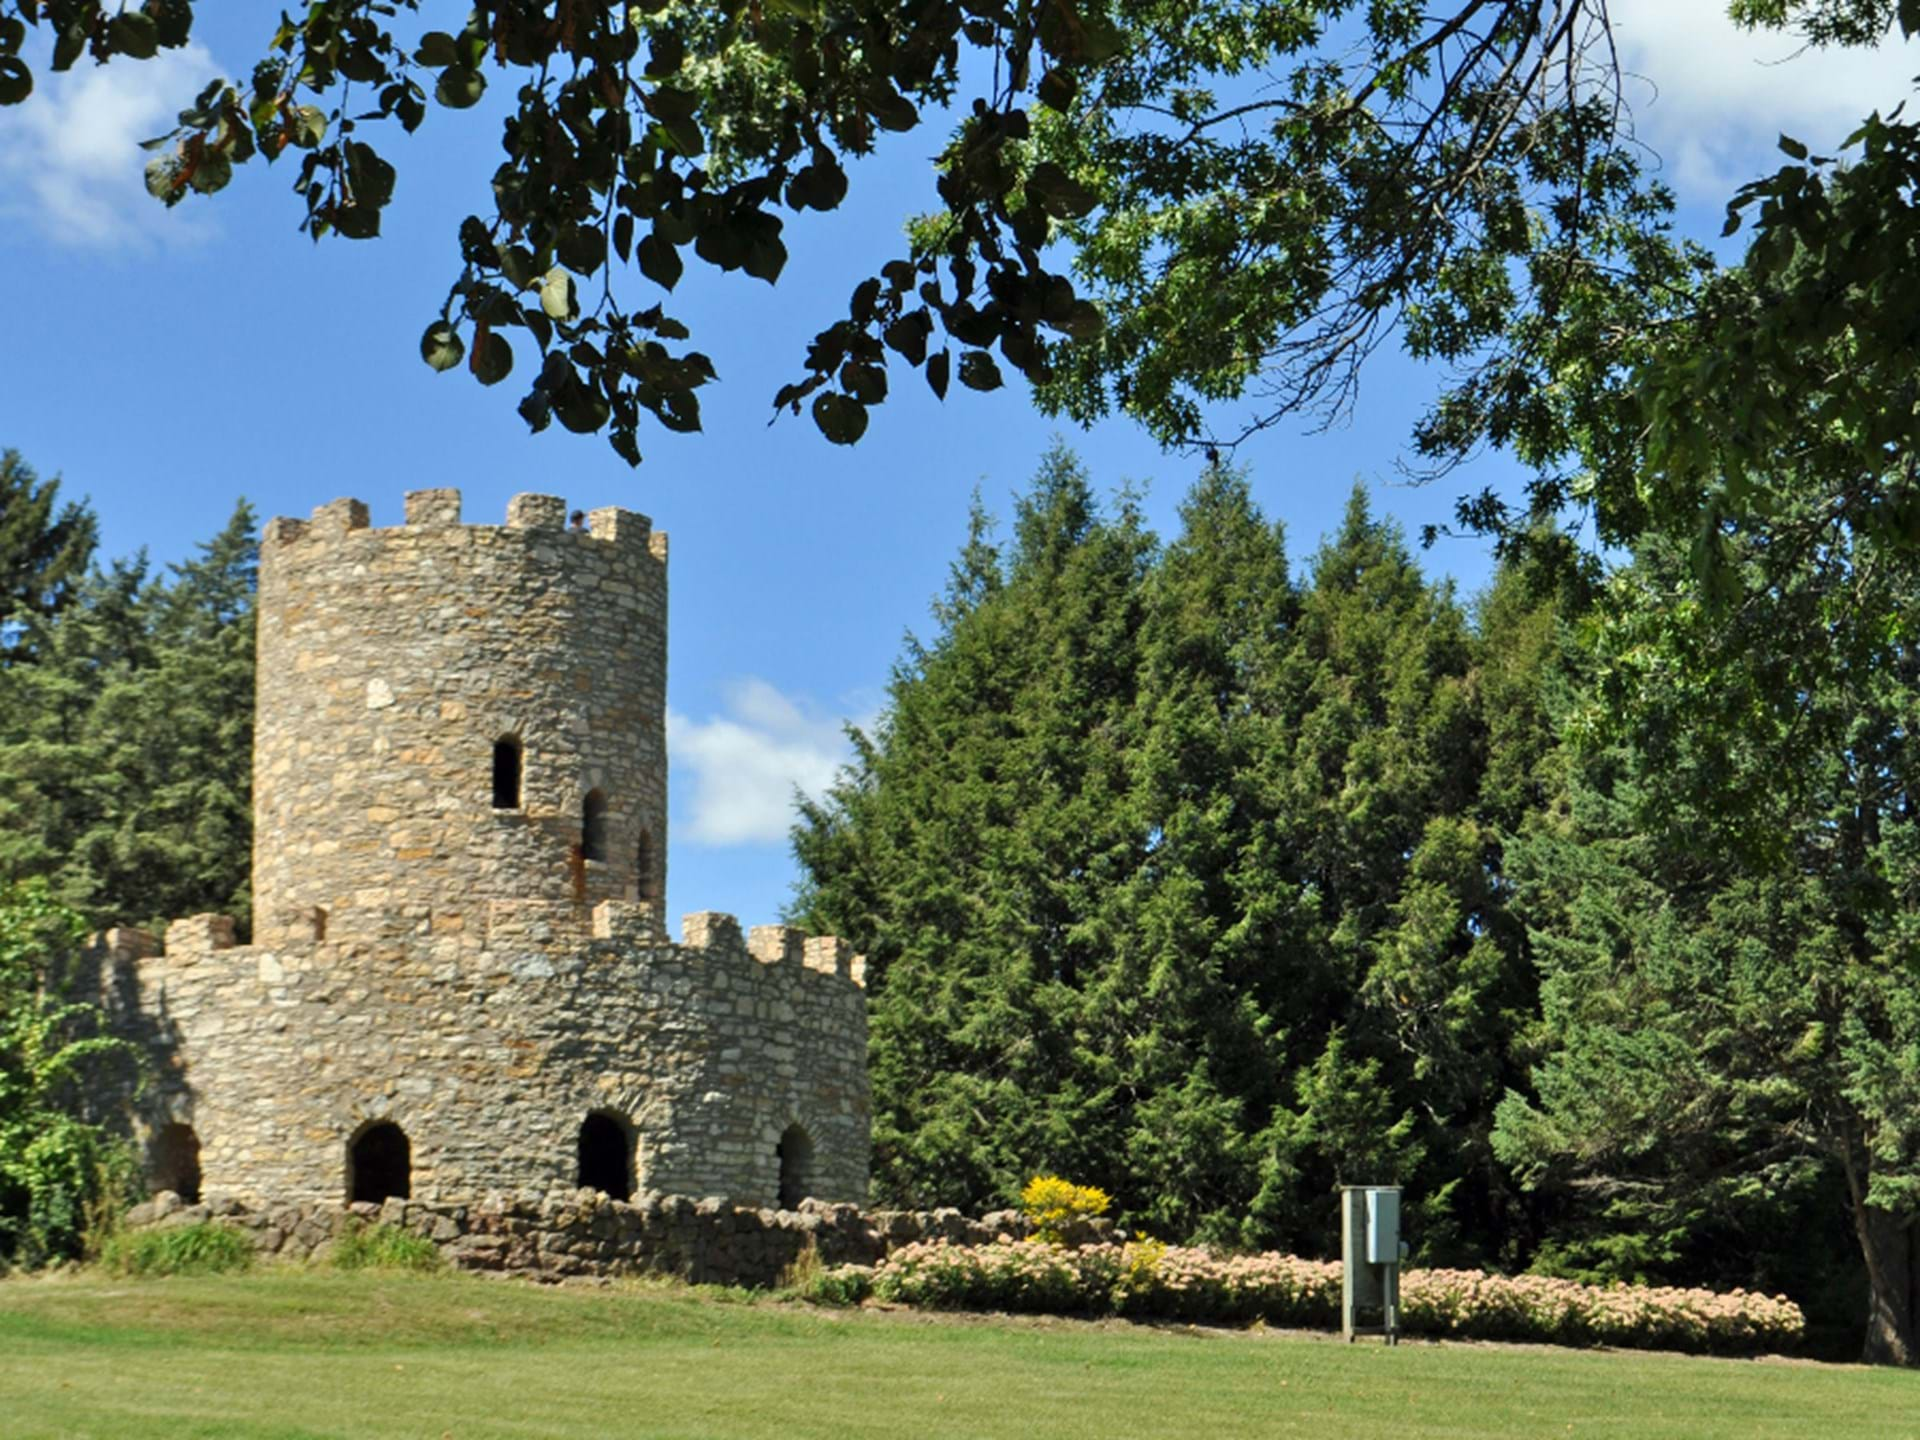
x: 584, y: 1234
x: 490, y: 1049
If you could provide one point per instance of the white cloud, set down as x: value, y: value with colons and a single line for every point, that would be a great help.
x: 1711, y: 98
x: 70, y: 162
x: 746, y: 762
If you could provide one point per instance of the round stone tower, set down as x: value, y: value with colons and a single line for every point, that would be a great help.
x: 451, y: 715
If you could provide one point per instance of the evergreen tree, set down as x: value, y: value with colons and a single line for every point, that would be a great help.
x: 969, y: 852
x: 45, y: 549
x: 1184, y: 1016
x: 126, y: 751
x: 1397, y: 1006
x: 1731, y: 1036
x: 1174, y: 875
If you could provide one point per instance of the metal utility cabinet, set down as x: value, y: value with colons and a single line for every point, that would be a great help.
x: 1370, y: 1255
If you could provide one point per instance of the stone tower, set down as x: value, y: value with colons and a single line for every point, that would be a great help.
x: 404, y: 672
x: 458, y: 983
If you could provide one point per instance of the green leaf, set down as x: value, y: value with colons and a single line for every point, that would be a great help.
x: 892, y: 109
x: 979, y: 372
x: 460, y: 86
x: 16, y: 80
x: 556, y: 294
x: 819, y: 186
x: 355, y: 222
x: 441, y: 347
x: 582, y: 248
x: 665, y: 53
x: 865, y: 383
x: 1058, y: 193
x: 213, y: 172
x: 71, y: 44
x: 1793, y: 147
x: 437, y: 50
x: 937, y: 373
x: 1082, y: 321
x: 841, y: 419
x: 766, y: 257
x: 309, y: 126
x: 908, y: 335
x: 659, y: 261
x: 492, y: 358
x: 134, y: 34
x: 581, y: 410
x: 1057, y: 88
x: 159, y: 177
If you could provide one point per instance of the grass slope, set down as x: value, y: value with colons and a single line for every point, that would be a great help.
x: 292, y: 1354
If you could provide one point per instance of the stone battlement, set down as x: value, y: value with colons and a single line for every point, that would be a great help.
x: 439, y: 510
x: 612, y: 926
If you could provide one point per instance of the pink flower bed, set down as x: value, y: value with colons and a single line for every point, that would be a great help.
x: 1149, y: 1279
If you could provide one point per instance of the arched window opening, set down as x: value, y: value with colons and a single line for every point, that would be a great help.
x: 379, y: 1164
x: 173, y: 1162
x: 796, y: 1167
x: 593, y: 827
x: 606, y: 1157
x: 643, y: 865
x: 507, y: 758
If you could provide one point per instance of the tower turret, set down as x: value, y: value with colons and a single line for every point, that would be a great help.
x: 453, y: 714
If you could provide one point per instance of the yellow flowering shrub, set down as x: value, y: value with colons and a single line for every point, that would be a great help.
x: 1054, y: 1206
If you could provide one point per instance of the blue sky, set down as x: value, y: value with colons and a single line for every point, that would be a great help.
x: 166, y: 363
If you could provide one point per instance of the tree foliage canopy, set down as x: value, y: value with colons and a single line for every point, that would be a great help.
x: 1141, y: 206
x: 1180, y: 876
x: 1723, y: 1029
x: 57, y: 1162
x: 45, y: 549
x: 126, y: 739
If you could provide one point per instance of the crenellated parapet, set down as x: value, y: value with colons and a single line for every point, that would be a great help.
x: 440, y: 510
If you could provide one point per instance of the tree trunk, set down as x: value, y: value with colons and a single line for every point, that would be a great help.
x: 1886, y: 1240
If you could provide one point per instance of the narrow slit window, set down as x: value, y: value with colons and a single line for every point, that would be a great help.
x: 593, y: 827
x: 507, y: 759
x: 643, y: 866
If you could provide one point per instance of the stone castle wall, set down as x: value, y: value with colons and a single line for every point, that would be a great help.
x: 580, y: 1235
x: 391, y: 662
x: 489, y: 1050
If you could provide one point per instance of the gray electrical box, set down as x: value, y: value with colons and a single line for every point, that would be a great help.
x: 1370, y: 1250
x: 1383, y: 1226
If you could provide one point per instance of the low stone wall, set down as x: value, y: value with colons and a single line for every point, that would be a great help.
x: 706, y: 1242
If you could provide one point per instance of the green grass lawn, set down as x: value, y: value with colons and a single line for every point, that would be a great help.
x: 288, y: 1353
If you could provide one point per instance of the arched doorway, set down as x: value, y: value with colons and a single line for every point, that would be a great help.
x: 173, y: 1161
x: 379, y: 1164
x: 795, y: 1151
x: 606, y: 1156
